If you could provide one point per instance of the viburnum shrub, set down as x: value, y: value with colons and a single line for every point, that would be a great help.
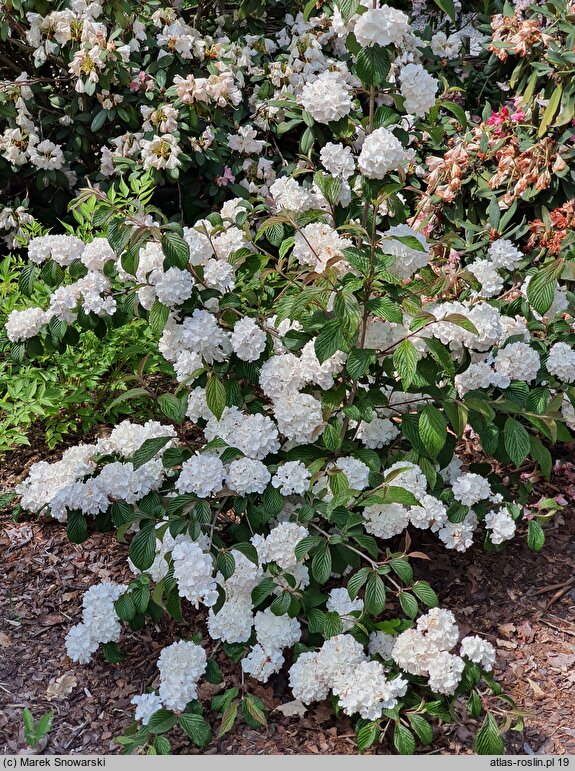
x: 327, y: 359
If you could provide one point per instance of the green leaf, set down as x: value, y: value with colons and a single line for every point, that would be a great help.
x: 157, y: 317
x: 372, y: 65
x: 421, y: 727
x: 26, y: 280
x: 226, y: 563
x: 359, y: 361
x: 387, y: 309
x: 173, y: 408
x: 494, y: 212
x: 516, y: 441
x: 248, y: 550
x: 213, y: 673
x: 405, y: 359
x: 125, y: 607
x: 461, y: 321
x: 366, y: 735
x: 426, y: 594
x: 148, y: 450
x: 432, y: 429
x: 541, y: 455
x: 161, y: 721
x: 374, y: 598
x: 541, y: 287
x: 408, y: 604
x: 347, y: 8
x: 215, y: 395
x: 253, y: 711
x: 196, y: 728
x: 357, y: 581
x: 402, y: 568
x: 76, y: 527
x: 176, y: 249
x: 448, y: 7
x: 403, y: 740
x: 229, y: 716
x: 112, y: 653
x: 142, y: 549
x: 455, y: 110
x: 489, y: 741
x: 321, y: 565
x: 535, y: 536
x: 550, y: 111
x: 330, y: 340
x: 332, y: 625
x: 306, y: 545
x: 262, y: 591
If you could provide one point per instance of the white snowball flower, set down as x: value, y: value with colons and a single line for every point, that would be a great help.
x: 261, y: 663
x: 501, y: 524
x: 517, y: 361
x: 174, y: 287
x: 248, y: 340
x: 276, y: 632
x: 299, y: 417
x: 80, y: 645
x: 381, y: 153
x: 561, y: 362
x: 381, y: 26
x: 292, y: 478
x: 181, y: 665
x: 418, y: 88
x: 386, y: 520
x: 491, y: 281
x: 377, y: 433
x: 381, y: 644
x: 445, y: 672
x: 479, y: 651
x: 193, y: 570
x: 470, y: 488
x: 234, y: 620
x: 503, y: 254
x: 246, y: 475
x: 439, y: 628
x: 202, y: 475
x: 327, y: 98
x: 146, y: 705
x: 337, y: 160
x: 307, y: 680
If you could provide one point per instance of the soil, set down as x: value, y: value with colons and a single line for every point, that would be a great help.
x: 524, y: 603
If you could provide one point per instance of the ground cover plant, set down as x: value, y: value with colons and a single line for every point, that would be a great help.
x: 328, y: 254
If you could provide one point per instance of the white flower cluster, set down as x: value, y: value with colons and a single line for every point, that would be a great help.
x: 418, y: 89
x: 425, y: 650
x: 181, y: 665
x: 100, y: 623
x: 341, y: 666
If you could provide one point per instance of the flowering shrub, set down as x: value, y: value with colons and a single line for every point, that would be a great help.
x: 329, y: 357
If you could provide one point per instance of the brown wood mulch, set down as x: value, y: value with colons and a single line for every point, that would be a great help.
x: 524, y: 603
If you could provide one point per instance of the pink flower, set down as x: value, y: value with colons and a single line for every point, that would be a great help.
x: 226, y: 178
x: 518, y: 116
x: 139, y: 82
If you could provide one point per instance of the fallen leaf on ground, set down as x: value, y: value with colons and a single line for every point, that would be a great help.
x: 561, y: 660
x: 536, y: 689
x: 5, y: 641
x: 294, y: 708
x: 61, y: 687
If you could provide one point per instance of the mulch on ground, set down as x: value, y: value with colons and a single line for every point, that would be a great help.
x: 524, y: 603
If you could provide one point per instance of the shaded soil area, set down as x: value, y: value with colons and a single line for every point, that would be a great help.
x: 524, y: 603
